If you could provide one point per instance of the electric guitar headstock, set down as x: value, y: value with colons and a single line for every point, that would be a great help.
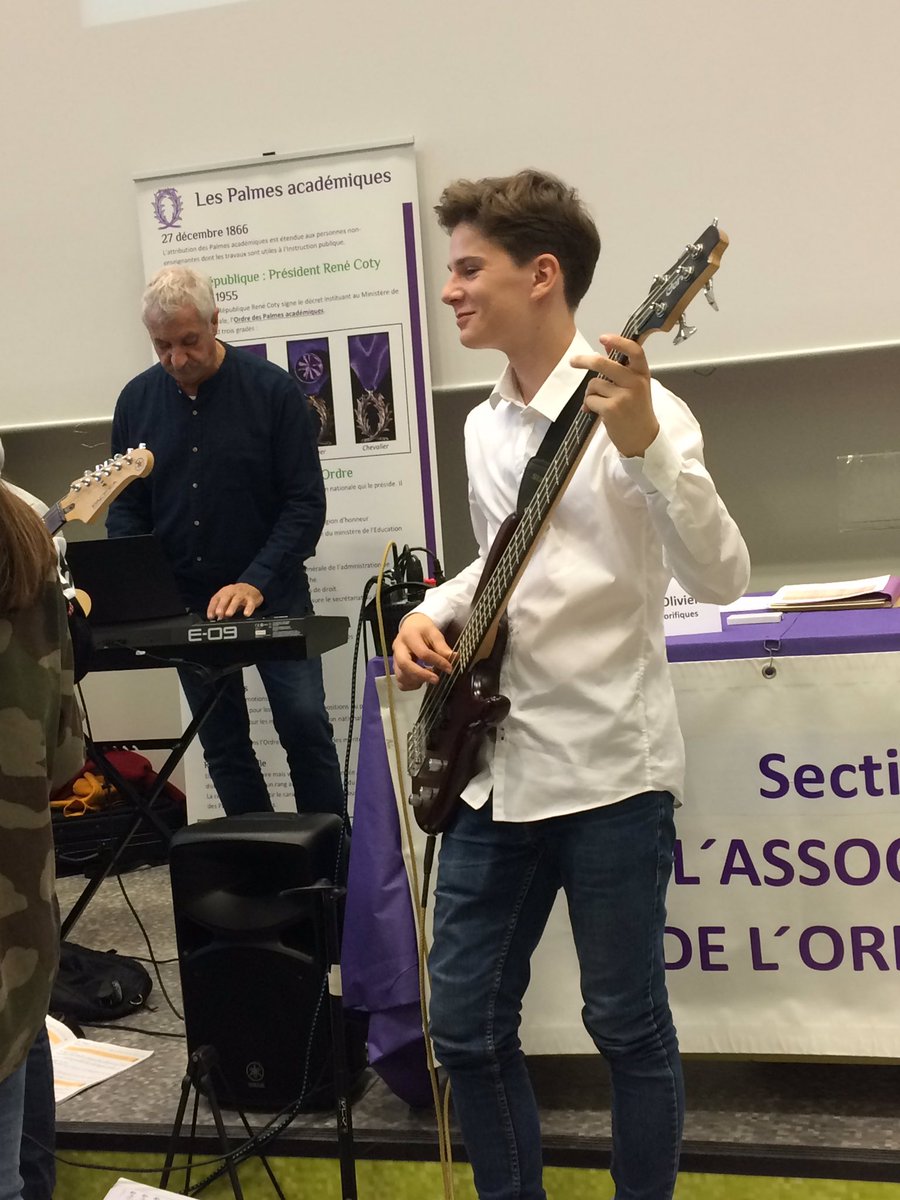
x: 89, y: 495
x: 672, y: 292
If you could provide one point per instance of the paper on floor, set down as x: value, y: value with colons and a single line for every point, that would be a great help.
x: 124, y: 1189
x: 79, y: 1063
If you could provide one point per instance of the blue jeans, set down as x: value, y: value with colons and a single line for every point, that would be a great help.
x: 36, y: 1162
x: 297, y: 703
x: 12, y: 1102
x: 497, y: 882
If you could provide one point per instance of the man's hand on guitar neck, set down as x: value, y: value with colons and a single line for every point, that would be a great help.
x: 420, y: 653
x: 621, y: 395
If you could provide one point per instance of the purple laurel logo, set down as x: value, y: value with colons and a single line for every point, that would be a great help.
x: 167, y: 208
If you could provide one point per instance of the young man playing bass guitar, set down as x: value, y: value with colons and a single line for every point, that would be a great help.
x: 577, y: 787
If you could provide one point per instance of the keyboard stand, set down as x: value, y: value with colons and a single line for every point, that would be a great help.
x: 143, y: 803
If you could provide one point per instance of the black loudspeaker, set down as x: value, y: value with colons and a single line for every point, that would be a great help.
x: 253, y: 958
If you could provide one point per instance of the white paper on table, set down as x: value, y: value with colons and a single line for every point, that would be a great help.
x: 748, y: 604
x: 79, y: 1063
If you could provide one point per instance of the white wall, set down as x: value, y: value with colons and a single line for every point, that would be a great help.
x: 777, y: 116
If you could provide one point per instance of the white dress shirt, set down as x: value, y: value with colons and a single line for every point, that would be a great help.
x: 592, y: 718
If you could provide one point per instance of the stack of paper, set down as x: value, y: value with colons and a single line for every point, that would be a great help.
x: 79, y: 1064
x: 882, y: 591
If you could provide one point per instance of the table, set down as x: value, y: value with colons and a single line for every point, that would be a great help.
x: 783, y: 930
x: 847, y: 631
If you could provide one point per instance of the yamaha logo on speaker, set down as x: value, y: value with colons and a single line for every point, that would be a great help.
x: 254, y: 955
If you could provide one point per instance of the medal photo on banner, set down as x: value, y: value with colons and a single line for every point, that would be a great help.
x: 371, y: 387
x: 309, y: 361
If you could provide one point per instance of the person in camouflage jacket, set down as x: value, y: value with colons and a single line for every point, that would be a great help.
x: 40, y: 749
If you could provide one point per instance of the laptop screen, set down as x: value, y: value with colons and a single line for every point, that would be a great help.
x: 126, y: 578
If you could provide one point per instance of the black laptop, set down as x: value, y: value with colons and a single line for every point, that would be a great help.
x: 126, y: 578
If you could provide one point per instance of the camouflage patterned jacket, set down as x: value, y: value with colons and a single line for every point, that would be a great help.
x: 40, y: 749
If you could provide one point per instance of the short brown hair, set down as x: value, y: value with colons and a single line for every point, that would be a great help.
x: 527, y: 214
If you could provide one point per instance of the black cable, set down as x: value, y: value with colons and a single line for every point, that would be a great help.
x: 273, y: 1128
x: 397, y: 579
x: 134, y: 912
x: 140, y: 925
x: 229, y: 1163
x: 275, y: 1125
x: 438, y: 569
x: 167, y: 660
x: 354, y: 668
x: 84, y: 712
x: 426, y: 867
x: 133, y: 1029
x: 365, y: 604
x: 118, y: 1168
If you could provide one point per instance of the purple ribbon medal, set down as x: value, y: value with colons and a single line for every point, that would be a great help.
x: 370, y: 360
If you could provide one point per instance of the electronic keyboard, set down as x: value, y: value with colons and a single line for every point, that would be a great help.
x: 241, y: 641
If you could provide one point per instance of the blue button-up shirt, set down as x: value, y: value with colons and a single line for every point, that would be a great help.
x: 236, y: 492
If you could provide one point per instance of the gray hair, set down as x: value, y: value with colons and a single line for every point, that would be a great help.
x: 174, y: 287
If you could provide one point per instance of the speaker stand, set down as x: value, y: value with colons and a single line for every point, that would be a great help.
x: 202, y: 1063
x: 330, y: 898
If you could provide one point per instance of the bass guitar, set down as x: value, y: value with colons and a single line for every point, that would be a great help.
x: 459, y: 710
x: 89, y: 496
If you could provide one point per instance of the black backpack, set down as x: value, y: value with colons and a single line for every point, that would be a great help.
x: 93, y: 985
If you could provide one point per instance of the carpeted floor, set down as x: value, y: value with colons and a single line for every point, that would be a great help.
x: 754, y: 1129
x: 319, y: 1179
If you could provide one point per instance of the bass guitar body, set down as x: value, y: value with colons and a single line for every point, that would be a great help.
x: 456, y: 716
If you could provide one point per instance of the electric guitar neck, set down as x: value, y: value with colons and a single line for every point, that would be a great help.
x: 90, y: 495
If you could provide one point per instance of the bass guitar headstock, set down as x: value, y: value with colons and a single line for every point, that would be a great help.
x: 672, y: 292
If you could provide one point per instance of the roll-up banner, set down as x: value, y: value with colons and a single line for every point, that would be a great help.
x: 316, y: 263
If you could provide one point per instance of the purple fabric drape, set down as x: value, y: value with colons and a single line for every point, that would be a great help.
x: 379, y: 964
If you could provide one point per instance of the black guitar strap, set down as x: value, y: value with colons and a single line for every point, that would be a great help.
x: 536, y: 468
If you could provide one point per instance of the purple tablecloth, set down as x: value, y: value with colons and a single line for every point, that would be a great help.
x: 379, y: 961
x: 851, y: 631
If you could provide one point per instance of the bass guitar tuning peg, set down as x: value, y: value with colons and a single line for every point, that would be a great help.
x: 684, y: 331
x: 710, y: 296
